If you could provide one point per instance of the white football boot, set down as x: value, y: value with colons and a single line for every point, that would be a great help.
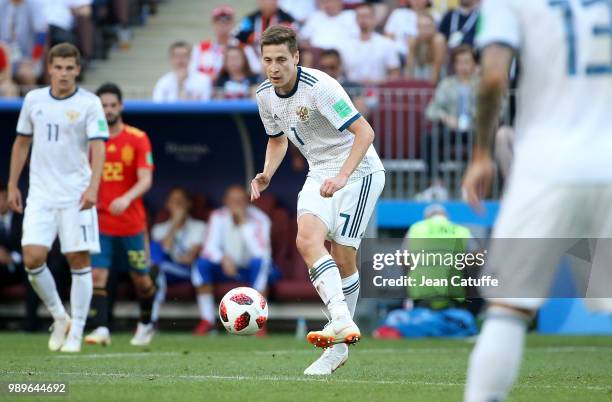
x: 72, y: 344
x: 99, y: 336
x: 144, y: 335
x: 332, y: 359
x: 59, y: 330
x: 337, y: 331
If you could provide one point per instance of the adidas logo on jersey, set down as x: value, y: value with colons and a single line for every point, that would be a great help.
x: 276, y: 117
x: 39, y: 113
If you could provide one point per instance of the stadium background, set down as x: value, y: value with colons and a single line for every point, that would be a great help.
x: 207, y: 146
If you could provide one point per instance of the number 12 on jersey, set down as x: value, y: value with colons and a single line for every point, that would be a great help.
x: 571, y: 37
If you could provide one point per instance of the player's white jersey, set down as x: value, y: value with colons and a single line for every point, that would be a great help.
x: 61, y: 129
x: 564, y: 122
x: 315, y: 116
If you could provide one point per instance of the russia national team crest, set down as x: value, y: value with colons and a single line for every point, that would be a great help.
x: 127, y: 155
x: 303, y: 113
x: 72, y: 115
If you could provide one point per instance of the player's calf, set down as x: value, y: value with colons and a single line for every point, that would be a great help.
x: 145, y: 289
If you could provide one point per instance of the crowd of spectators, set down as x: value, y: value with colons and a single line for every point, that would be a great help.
x: 376, y: 41
x: 29, y: 27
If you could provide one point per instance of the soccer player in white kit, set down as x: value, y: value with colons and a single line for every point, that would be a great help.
x: 64, y: 124
x: 560, y: 186
x: 345, y: 179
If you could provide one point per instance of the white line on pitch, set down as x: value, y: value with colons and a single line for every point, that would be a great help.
x: 114, y: 355
x: 467, y: 348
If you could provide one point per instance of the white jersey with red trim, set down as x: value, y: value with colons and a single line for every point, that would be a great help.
x: 240, y: 242
x: 315, y: 116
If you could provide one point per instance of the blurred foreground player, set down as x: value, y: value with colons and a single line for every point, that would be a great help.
x: 128, y: 175
x: 560, y: 185
x: 66, y: 127
x: 346, y: 177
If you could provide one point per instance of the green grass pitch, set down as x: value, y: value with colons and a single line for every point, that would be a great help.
x: 179, y: 367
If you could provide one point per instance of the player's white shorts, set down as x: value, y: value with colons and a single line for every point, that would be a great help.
x: 552, y: 215
x: 77, y: 230
x: 348, y: 212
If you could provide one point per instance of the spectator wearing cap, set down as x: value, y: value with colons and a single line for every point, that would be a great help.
x: 207, y: 56
x: 236, y: 80
x: 371, y: 58
x: 330, y: 27
x: 23, y: 29
x: 427, y: 51
x: 459, y: 24
x: 180, y: 84
x: 253, y: 25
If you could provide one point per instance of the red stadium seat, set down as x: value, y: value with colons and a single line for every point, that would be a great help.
x: 399, y: 120
x: 267, y: 203
x: 13, y: 292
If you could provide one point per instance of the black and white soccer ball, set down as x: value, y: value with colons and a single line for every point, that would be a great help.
x: 243, y: 311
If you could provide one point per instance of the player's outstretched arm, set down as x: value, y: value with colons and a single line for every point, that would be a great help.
x: 19, y: 155
x: 496, y: 61
x: 98, y: 155
x: 275, y: 152
x: 364, y: 136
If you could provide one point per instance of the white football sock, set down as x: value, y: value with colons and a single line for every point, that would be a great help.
x: 206, y: 305
x: 350, y: 288
x: 496, y: 358
x: 80, y: 298
x: 325, y: 277
x: 43, y: 283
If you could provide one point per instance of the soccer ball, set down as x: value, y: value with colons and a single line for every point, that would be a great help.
x: 243, y: 311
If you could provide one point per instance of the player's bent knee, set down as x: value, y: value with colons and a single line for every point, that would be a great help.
x: 78, y: 260
x: 306, y: 242
x: 34, y: 256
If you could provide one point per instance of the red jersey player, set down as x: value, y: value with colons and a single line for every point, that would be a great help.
x: 127, y: 176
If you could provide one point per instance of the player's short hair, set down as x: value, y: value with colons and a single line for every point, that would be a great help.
x: 179, y: 44
x: 280, y: 35
x: 462, y: 49
x: 110, y: 88
x: 64, y: 50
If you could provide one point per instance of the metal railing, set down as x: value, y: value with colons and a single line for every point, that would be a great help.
x: 422, y: 158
